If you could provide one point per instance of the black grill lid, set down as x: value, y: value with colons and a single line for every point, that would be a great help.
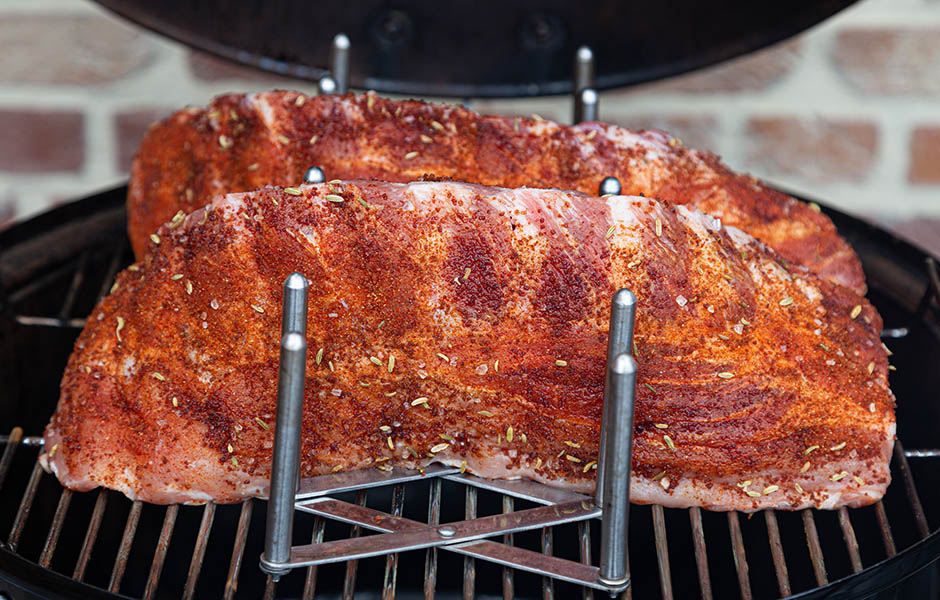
x: 478, y: 48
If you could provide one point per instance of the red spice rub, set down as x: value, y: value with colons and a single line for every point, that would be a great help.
x: 243, y: 142
x: 494, y: 305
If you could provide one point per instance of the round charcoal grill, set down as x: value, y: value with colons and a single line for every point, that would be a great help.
x: 55, y: 543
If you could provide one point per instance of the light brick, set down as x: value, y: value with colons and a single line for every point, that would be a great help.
x: 749, y: 73
x: 69, y: 49
x: 924, y: 166
x: 210, y: 68
x: 889, y: 61
x: 695, y: 131
x: 37, y: 141
x: 129, y: 129
x: 814, y: 150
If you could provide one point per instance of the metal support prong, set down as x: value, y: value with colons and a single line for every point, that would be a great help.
x: 326, y: 85
x: 314, y: 175
x: 583, y: 69
x: 609, y: 186
x: 339, y: 62
x: 285, y: 464
x: 619, y: 340
x: 621, y: 382
x: 585, y: 105
x: 585, y: 96
x: 294, y: 315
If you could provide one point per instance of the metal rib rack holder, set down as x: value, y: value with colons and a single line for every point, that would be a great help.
x: 469, y: 537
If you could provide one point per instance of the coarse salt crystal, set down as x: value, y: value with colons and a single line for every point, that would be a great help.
x: 680, y: 300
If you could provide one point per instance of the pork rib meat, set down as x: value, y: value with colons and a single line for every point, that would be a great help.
x: 465, y: 324
x: 243, y: 142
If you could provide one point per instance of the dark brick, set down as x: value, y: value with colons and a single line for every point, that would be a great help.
x: 924, y: 166
x: 37, y: 141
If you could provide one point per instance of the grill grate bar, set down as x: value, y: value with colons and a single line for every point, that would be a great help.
x: 701, y: 556
x: 91, y: 535
x: 310, y: 582
x: 202, y: 540
x: 469, y: 564
x: 241, y: 537
x: 391, y: 561
x: 932, y: 278
x: 911, y: 490
x: 548, y: 584
x: 923, y: 453
x: 776, y: 551
x: 75, y: 284
x: 159, y: 555
x: 430, y: 557
x: 851, y: 542
x: 584, y: 535
x: 50, y: 322
x: 349, y: 583
x: 120, y: 563
x: 815, y: 550
x: 662, y: 551
x: 16, y: 434
x: 41, y: 283
x: 56, y: 528
x: 25, y: 504
x: 740, y: 558
x: 885, y: 528
x: 112, y: 270
x: 508, y: 586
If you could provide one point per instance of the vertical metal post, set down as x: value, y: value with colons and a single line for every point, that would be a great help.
x: 621, y: 382
x: 619, y: 340
x: 339, y: 62
x: 294, y: 313
x: 314, y: 175
x: 285, y: 465
x: 326, y: 85
x: 609, y: 185
x: 585, y: 96
x: 583, y: 69
x: 586, y: 105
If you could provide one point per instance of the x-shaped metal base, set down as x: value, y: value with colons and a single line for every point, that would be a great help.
x: 462, y: 537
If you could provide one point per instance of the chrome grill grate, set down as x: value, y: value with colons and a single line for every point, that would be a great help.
x: 150, y: 551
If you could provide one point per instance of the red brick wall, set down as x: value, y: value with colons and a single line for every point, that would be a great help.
x: 848, y: 112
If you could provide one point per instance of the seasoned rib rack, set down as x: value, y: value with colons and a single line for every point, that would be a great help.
x: 102, y: 539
